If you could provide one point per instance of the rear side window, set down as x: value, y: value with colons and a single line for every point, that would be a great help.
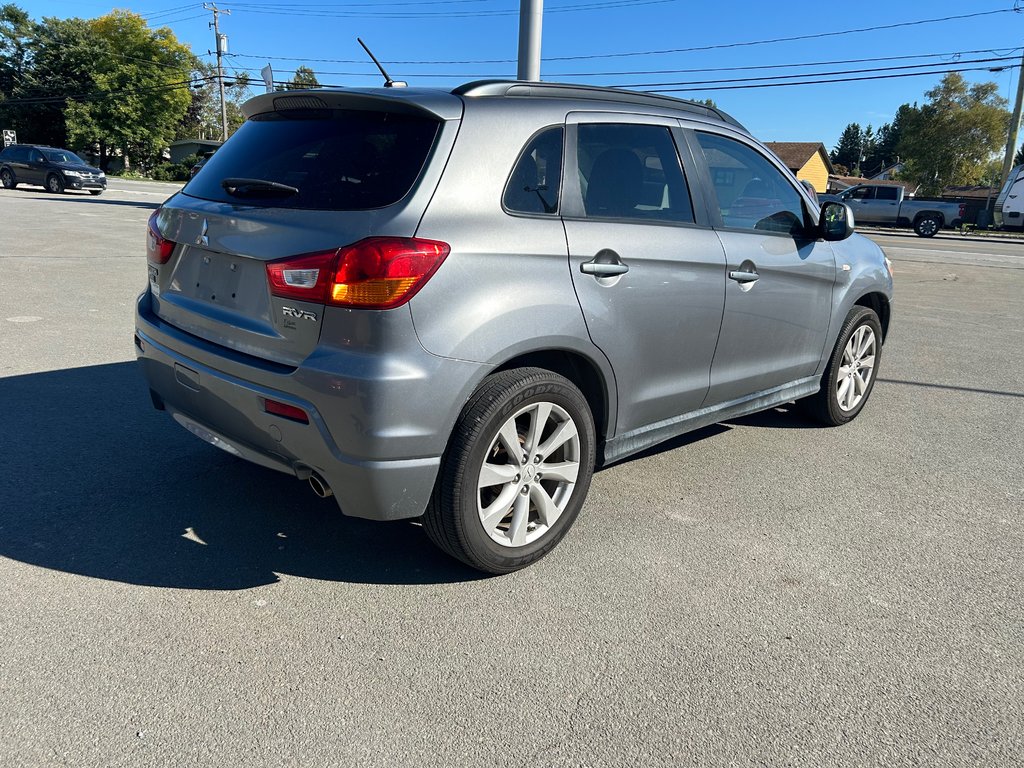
x: 887, y: 193
x: 533, y: 185
x: 337, y: 159
x: 631, y: 172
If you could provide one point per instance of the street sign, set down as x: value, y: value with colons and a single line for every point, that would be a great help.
x: 10, y: 137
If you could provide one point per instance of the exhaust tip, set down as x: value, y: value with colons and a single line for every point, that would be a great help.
x: 320, y: 486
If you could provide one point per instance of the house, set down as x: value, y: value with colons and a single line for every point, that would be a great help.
x: 807, y: 159
x: 179, y: 150
x: 839, y: 183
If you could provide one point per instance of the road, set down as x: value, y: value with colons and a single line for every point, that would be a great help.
x: 763, y: 592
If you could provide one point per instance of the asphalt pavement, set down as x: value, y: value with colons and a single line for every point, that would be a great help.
x: 763, y: 592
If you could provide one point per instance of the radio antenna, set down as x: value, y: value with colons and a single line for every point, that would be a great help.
x: 388, y: 82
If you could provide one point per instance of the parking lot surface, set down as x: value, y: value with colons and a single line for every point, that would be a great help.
x: 763, y: 592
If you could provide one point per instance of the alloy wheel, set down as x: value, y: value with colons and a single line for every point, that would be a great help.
x: 856, y: 368
x: 528, y: 474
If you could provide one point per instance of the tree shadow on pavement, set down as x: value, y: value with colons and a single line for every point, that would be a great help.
x: 96, y: 482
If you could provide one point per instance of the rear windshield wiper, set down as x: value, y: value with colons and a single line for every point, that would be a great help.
x: 254, y: 187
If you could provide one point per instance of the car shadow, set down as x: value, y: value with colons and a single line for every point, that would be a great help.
x: 98, y: 483
x: 783, y: 417
x: 85, y: 197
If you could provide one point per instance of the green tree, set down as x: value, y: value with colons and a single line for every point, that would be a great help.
x: 142, y: 78
x: 951, y: 137
x: 848, y: 151
x: 61, y: 58
x: 15, y: 35
x: 202, y: 118
x: 1018, y: 159
x: 304, y: 77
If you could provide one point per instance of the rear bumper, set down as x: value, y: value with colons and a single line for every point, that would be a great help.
x: 221, y: 400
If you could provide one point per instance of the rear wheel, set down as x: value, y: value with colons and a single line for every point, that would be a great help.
x: 850, y: 376
x: 54, y: 184
x: 7, y: 179
x: 927, y: 226
x: 516, y: 471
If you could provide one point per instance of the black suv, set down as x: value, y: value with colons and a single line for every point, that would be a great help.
x: 54, y: 169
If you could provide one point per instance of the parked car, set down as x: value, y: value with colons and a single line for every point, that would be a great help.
x: 454, y: 305
x: 887, y: 204
x: 49, y: 167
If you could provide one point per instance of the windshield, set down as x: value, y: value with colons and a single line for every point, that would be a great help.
x: 62, y: 156
x: 336, y: 159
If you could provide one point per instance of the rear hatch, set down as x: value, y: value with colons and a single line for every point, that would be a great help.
x: 245, y: 255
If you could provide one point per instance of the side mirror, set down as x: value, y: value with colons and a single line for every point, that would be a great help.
x: 836, y: 221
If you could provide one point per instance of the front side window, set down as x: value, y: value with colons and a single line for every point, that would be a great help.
x: 62, y: 156
x: 631, y: 172
x: 533, y: 185
x: 862, y: 193
x: 752, y: 193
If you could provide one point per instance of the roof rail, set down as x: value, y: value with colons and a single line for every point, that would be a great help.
x: 570, y: 91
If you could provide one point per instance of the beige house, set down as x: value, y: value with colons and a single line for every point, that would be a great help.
x: 807, y: 159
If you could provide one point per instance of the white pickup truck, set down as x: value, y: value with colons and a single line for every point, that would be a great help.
x: 886, y: 204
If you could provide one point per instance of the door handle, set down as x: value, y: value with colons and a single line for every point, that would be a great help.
x: 605, y: 264
x: 603, y: 270
x: 743, y: 277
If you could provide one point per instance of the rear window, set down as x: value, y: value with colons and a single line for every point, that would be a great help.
x: 337, y: 159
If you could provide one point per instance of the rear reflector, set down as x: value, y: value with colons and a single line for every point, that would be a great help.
x: 285, y: 410
x: 158, y: 248
x: 375, y: 273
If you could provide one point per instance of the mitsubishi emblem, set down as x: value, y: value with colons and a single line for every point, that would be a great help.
x: 203, y: 239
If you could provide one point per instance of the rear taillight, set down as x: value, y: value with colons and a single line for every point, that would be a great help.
x: 158, y: 248
x: 375, y: 273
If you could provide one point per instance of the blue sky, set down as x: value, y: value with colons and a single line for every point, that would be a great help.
x: 297, y: 32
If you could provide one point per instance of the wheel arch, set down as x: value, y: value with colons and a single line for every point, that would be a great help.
x: 878, y: 302
x: 582, y: 372
x: 929, y: 214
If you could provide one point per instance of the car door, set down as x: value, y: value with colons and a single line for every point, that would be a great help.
x: 646, y: 266
x: 18, y: 161
x: 778, y: 293
x: 35, y: 168
x: 862, y: 203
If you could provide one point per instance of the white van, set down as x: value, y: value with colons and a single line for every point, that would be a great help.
x: 1009, y: 211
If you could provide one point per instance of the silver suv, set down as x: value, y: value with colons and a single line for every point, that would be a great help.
x: 454, y: 305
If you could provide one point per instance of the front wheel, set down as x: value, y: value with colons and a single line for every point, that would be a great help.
x: 54, y: 184
x: 516, y: 471
x: 927, y: 226
x: 850, y: 376
x: 7, y: 179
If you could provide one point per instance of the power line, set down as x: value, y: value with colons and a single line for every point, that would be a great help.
x: 324, y: 12
x: 818, y: 82
x: 953, y: 55
x: 819, y: 74
x: 695, y: 49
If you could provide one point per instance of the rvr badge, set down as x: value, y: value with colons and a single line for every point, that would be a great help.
x: 299, y: 313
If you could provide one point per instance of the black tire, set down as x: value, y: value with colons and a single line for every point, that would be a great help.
x: 54, y: 184
x: 825, y: 406
x: 7, y: 179
x: 95, y: 192
x: 927, y: 226
x: 454, y: 520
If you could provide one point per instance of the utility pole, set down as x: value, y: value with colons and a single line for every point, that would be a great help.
x: 531, y: 16
x: 221, y: 50
x: 1011, y: 140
